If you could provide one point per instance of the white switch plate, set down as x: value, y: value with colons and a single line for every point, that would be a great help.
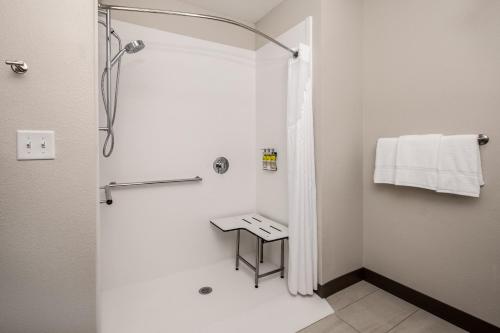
x: 35, y: 145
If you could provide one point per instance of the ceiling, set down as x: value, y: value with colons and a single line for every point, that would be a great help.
x: 249, y: 11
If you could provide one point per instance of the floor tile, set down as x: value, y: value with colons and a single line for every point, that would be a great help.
x: 330, y: 324
x: 423, y: 321
x: 376, y: 313
x: 350, y: 295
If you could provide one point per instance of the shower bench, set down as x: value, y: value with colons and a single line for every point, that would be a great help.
x: 265, y: 230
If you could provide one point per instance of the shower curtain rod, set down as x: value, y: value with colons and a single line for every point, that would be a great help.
x: 294, y: 53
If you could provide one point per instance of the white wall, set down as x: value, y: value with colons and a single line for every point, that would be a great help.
x: 183, y: 102
x: 48, y: 209
x: 271, y: 89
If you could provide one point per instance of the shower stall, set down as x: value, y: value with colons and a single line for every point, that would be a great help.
x: 168, y: 112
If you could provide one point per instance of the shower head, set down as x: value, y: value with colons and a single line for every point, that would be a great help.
x: 132, y: 47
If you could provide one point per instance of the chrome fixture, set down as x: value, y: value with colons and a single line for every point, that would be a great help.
x: 104, y: 8
x: 221, y: 164
x: 483, y: 139
x: 107, y: 188
x: 18, y: 67
x: 132, y: 47
x: 205, y: 290
x: 110, y: 105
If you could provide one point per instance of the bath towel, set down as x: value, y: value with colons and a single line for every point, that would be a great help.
x: 417, y: 161
x: 459, y: 166
x: 385, y: 161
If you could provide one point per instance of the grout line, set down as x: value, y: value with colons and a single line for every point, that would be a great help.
x: 356, y: 301
x: 335, y: 312
x: 373, y: 292
x: 411, y: 314
x: 354, y: 328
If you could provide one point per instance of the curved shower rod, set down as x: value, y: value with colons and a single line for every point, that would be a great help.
x: 294, y: 53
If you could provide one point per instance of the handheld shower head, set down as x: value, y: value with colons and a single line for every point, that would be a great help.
x: 132, y: 47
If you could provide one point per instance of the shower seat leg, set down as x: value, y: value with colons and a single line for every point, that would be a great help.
x: 261, y: 251
x: 237, y: 250
x: 257, y: 257
x: 282, y: 266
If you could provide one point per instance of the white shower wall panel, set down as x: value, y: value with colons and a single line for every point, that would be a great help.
x: 182, y: 103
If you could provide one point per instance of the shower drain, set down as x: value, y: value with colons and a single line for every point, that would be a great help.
x: 205, y: 290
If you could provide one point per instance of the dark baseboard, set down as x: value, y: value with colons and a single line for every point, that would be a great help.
x: 453, y: 315
x: 342, y: 282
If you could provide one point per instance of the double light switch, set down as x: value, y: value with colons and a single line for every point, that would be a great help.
x: 35, y: 145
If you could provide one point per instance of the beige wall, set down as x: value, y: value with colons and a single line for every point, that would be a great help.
x: 340, y: 136
x: 288, y: 14
x: 338, y: 124
x: 48, y: 208
x: 434, y: 67
x: 203, y: 29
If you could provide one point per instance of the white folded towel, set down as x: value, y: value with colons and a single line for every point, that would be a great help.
x: 459, y: 166
x: 417, y: 161
x: 385, y: 161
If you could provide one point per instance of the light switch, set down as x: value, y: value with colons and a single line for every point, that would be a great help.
x: 35, y: 145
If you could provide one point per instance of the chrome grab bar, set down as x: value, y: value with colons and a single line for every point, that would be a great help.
x: 107, y: 188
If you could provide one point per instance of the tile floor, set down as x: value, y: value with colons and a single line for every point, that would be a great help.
x: 365, y: 308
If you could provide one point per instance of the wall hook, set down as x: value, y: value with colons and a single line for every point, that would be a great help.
x: 18, y: 67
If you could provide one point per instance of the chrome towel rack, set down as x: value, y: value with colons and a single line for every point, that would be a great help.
x: 107, y: 188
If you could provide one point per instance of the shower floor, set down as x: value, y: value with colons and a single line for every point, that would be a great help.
x: 173, y: 304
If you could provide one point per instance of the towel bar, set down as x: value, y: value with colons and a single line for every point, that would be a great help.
x: 482, y: 139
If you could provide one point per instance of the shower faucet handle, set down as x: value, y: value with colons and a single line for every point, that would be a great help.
x: 17, y: 66
x: 221, y: 164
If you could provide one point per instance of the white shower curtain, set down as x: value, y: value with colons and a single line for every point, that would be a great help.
x: 302, y: 220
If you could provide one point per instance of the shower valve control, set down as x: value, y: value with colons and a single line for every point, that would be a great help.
x: 221, y: 164
x: 35, y: 145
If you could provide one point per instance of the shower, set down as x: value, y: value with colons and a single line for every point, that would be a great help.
x: 130, y: 48
x: 136, y: 46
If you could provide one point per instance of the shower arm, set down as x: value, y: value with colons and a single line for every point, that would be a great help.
x: 105, y: 7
